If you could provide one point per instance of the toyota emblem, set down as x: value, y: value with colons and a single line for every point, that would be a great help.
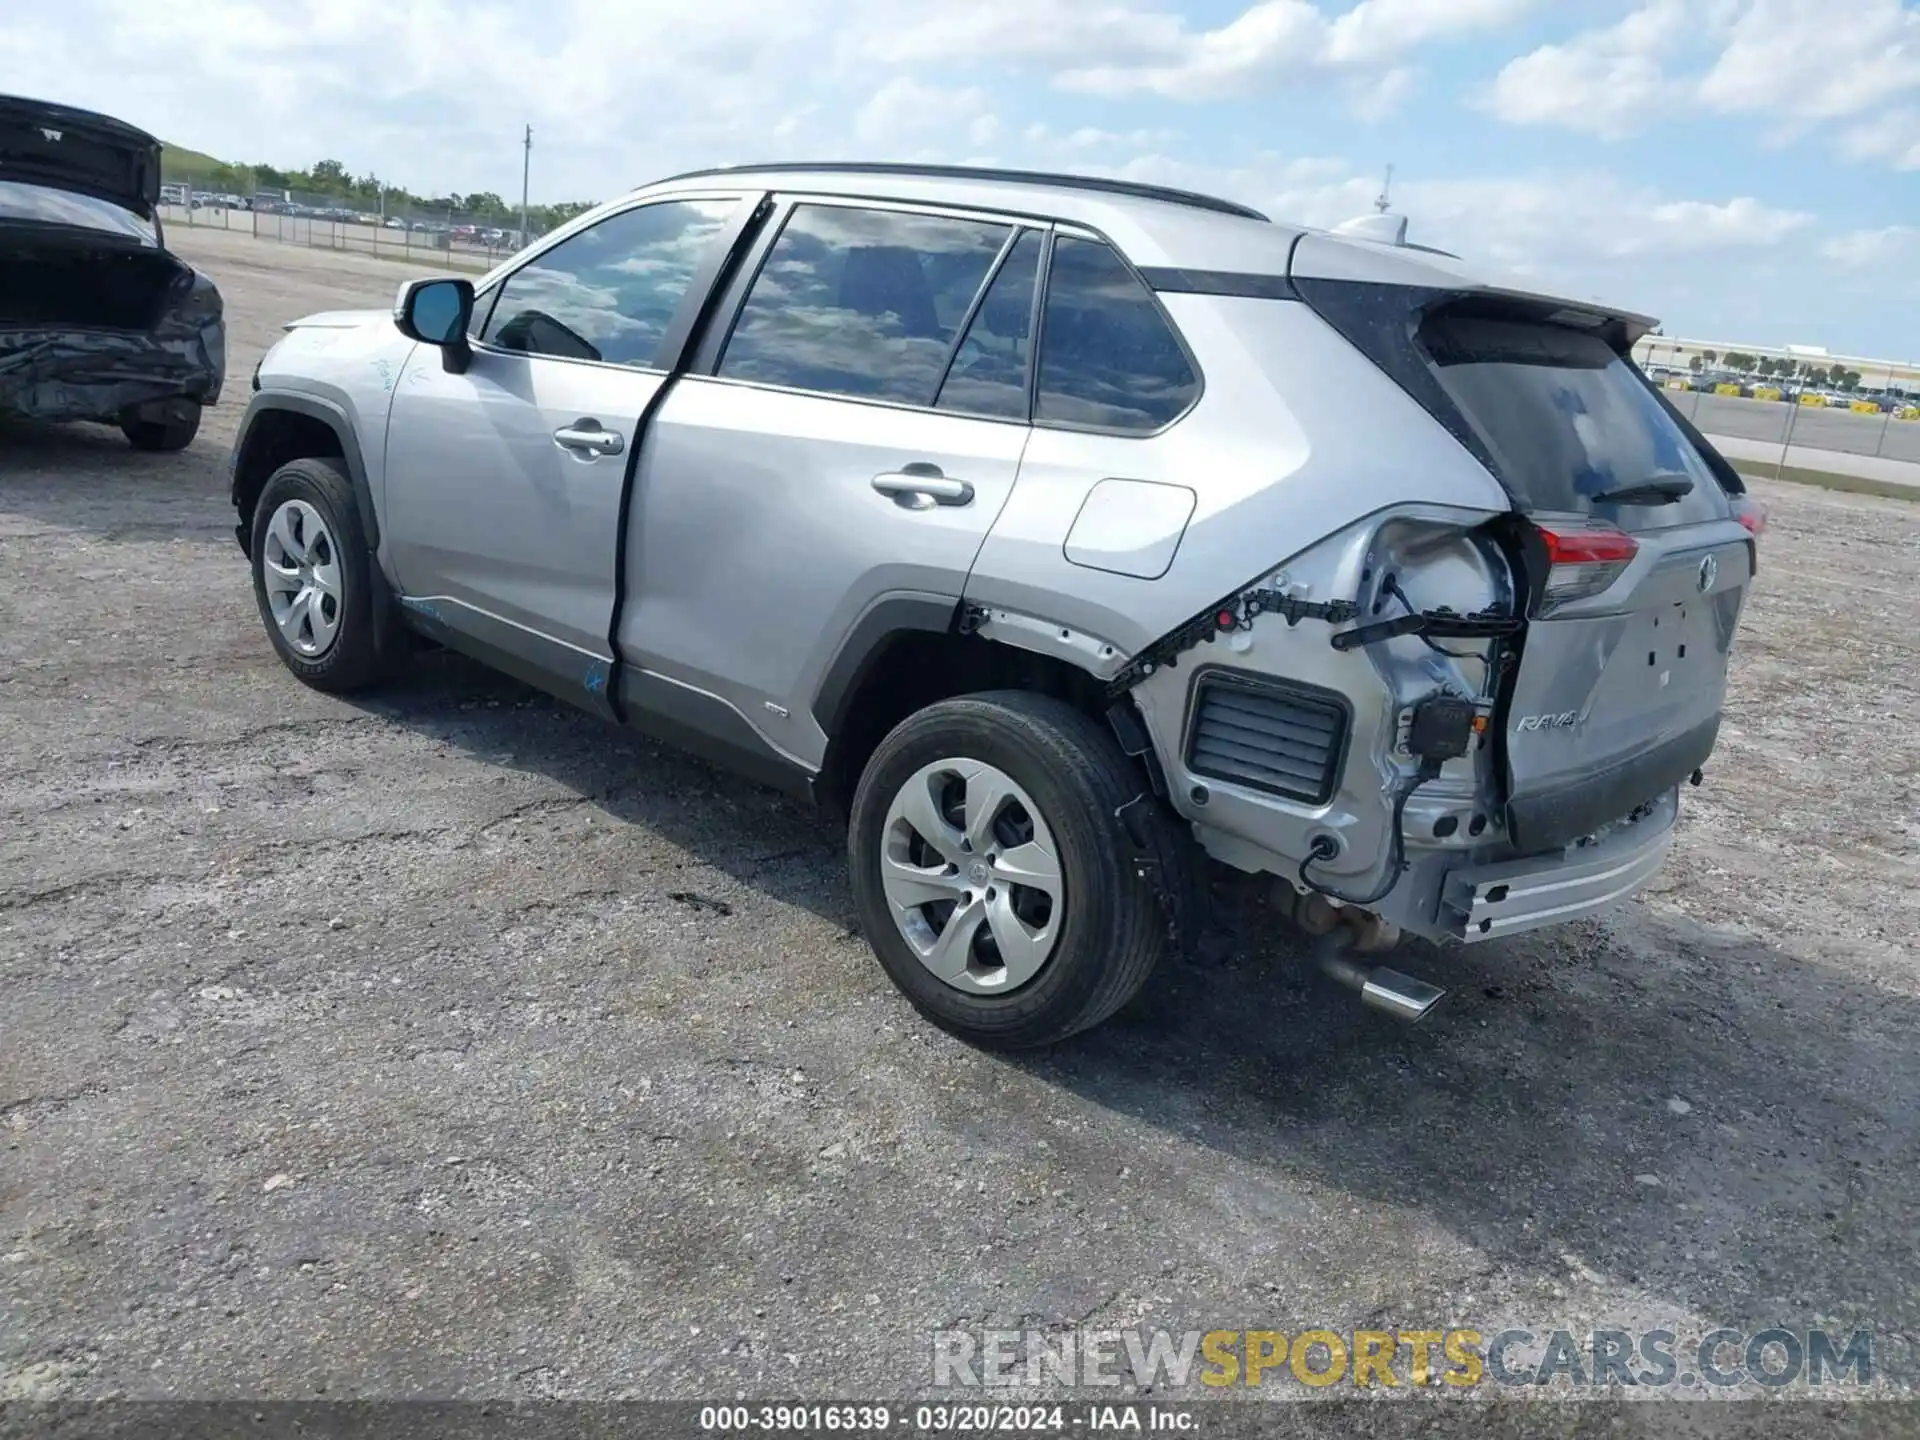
x: 1709, y: 572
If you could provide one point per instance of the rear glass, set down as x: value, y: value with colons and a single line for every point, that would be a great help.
x: 41, y: 204
x: 1566, y: 419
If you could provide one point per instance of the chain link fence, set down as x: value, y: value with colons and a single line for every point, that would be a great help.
x: 459, y: 239
x: 1793, y: 399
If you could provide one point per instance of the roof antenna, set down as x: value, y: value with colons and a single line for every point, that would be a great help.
x: 1383, y: 226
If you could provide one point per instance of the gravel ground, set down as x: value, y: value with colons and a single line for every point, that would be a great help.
x: 376, y: 1048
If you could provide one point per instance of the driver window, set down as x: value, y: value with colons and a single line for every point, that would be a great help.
x: 610, y: 292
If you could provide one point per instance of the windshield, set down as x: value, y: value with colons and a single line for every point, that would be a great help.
x: 46, y: 206
x: 1566, y: 419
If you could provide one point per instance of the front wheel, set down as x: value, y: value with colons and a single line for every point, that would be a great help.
x: 313, y: 577
x: 992, y: 874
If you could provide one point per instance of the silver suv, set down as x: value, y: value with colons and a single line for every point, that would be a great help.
x: 1062, y: 532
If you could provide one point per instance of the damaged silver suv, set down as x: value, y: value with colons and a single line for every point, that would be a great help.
x: 97, y: 320
x: 1063, y: 532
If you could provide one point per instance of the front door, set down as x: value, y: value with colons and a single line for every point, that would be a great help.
x: 852, y: 443
x: 504, y: 483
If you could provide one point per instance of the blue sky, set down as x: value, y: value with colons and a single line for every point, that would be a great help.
x: 1749, y: 170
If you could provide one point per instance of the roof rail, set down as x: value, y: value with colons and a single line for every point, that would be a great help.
x: 1131, y: 188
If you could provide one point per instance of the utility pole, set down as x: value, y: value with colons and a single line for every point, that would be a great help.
x: 526, y: 167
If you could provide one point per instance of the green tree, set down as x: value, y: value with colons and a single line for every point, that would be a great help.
x: 1696, y: 363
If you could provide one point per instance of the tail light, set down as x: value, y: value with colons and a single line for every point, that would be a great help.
x: 1582, y: 560
x: 1750, y: 513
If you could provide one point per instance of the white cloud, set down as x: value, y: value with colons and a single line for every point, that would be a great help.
x: 1609, y: 82
x: 1791, y: 62
x: 1589, y: 226
x: 1587, y: 223
x: 1376, y: 29
x: 433, y: 94
x: 1005, y: 30
x: 1737, y: 223
x: 1376, y: 98
x: 1273, y: 39
x: 1816, y: 61
x: 1870, y: 249
x: 905, y: 110
x: 1893, y: 137
x: 1266, y: 40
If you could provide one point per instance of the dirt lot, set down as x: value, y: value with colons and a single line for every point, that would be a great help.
x: 363, y: 1049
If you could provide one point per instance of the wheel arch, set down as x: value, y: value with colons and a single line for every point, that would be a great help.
x: 281, y: 425
x: 912, y: 650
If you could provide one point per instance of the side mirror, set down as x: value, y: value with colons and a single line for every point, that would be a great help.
x: 437, y: 312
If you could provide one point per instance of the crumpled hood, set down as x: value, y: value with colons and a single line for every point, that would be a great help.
x: 77, y: 150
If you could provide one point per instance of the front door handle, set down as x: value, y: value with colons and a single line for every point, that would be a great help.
x: 587, y: 437
x: 921, y: 487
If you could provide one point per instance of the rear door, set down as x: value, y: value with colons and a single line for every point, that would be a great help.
x: 1638, y: 566
x: 846, y: 445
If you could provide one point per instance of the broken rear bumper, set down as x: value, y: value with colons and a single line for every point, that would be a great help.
x: 1484, y: 902
x: 60, y: 375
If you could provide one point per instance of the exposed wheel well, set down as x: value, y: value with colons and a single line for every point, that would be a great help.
x: 915, y: 668
x: 274, y: 438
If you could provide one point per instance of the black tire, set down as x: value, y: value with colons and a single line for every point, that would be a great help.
x: 361, y: 648
x: 172, y: 434
x: 1114, y: 930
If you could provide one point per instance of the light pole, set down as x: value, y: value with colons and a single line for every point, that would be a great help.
x: 526, y: 167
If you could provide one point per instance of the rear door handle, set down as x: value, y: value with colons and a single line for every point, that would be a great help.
x: 589, y: 438
x: 921, y: 487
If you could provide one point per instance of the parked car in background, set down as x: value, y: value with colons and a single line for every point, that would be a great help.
x: 98, y: 321
x: 1060, y: 531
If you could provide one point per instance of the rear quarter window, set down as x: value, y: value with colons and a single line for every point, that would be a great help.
x: 1108, y: 359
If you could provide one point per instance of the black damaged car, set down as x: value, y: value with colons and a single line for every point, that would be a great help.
x: 97, y: 320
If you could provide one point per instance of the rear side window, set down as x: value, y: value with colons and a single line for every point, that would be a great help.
x: 1107, y: 357
x: 1566, y: 419
x: 610, y: 292
x: 861, y: 303
x: 989, y: 371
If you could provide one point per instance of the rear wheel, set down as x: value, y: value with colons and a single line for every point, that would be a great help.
x: 992, y: 875
x: 313, y: 577
x: 174, y: 429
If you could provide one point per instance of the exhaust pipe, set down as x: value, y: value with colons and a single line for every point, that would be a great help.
x: 1380, y: 988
